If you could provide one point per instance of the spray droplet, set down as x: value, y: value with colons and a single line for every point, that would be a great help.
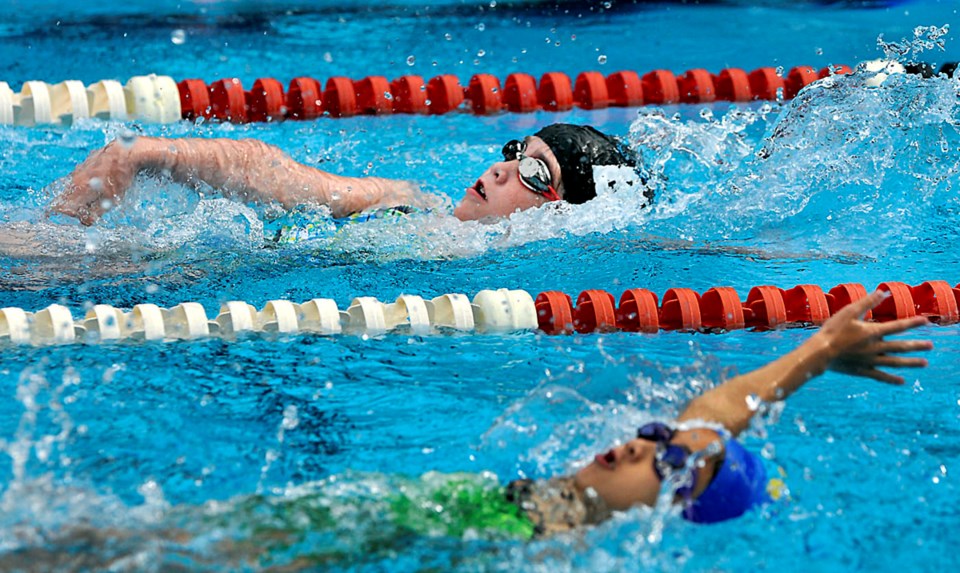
x: 602, y: 59
x: 481, y: 26
x: 127, y: 137
x: 411, y: 60
x: 178, y: 37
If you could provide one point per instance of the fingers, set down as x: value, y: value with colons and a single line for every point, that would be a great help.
x: 859, y: 308
x: 881, y: 376
x: 900, y: 346
x: 899, y: 361
x: 901, y: 325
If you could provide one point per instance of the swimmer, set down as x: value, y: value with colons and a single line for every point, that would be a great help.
x: 712, y: 476
x: 555, y: 164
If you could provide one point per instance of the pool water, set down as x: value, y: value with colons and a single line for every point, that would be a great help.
x: 139, y: 456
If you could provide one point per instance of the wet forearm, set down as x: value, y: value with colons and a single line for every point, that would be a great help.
x: 255, y: 171
x: 734, y: 402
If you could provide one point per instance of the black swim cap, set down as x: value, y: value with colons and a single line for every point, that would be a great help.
x: 578, y: 148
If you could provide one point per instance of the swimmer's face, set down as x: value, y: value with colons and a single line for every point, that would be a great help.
x: 624, y: 476
x: 498, y: 192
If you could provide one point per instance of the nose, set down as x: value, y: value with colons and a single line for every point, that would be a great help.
x: 636, y: 450
x: 501, y: 172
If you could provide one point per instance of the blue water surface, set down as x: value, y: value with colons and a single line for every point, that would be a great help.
x: 123, y: 455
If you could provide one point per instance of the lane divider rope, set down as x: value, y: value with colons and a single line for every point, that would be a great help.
x: 161, y: 99
x: 719, y: 309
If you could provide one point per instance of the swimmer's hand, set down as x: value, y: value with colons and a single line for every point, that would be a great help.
x: 100, y: 182
x: 858, y: 348
x: 846, y: 343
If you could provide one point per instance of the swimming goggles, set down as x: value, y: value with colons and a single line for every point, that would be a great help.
x: 533, y: 172
x: 670, y: 459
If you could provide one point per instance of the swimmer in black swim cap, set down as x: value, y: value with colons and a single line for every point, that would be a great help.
x: 558, y: 163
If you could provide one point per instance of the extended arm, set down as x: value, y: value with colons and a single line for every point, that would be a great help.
x: 845, y: 343
x: 248, y: 170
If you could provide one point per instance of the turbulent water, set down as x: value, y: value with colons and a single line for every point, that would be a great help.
x: 845, y: 176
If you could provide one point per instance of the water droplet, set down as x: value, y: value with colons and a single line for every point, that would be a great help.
x: 602, y: 59
x: 754, y: 402
x: 411, y: 60
x: 493, y: 3
x: 448, y: 36
x: 607, y: 5
x: 290, y: 418
x: 481, y: 53
x: 178, y: 37
x: 388, y: 95
x: 327, y: 57
x: 96, y: 184
x: 819, y: 51
x: 127, y: 137
x: 481, y: 26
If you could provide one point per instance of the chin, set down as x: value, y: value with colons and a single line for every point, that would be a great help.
x: 465, y: 213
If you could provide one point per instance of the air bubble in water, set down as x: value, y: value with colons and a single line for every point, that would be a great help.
x: 178, y: 37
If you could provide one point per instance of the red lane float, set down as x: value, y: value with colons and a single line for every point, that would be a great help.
x: 638, y: 311
x: 844, y: 294
x: 374, y: 96
x: 554, y: 312
x: 898, y: 305
x: 409, y: 94
x: 483, y: 91
x: 937, y: 301
x: 339, y: 97
x: 680, y: 310
x: 444, y: 94
x: 228, y: 101
x: 194, y: 99
x: 765, y: 84
x: 806, y: 304
x: 590, y: 91
x: 265, y: 101
x: 660, y: 87
x: 798, y: 78
x: 520, y: 93
x: 595, y: 311
x: 721, y: 309
x: 556, y: 92
x: 625, y: 89
x: 733, y: 84
x: 765, y: 307
x: 696, y: 86
x: 304, y: 98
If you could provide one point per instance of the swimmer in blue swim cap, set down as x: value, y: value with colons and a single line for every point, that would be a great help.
x: 711, y: 475
x: 555, y: 164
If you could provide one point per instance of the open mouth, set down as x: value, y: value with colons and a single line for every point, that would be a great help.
x: 478, y: 187
x: 606, y: 460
